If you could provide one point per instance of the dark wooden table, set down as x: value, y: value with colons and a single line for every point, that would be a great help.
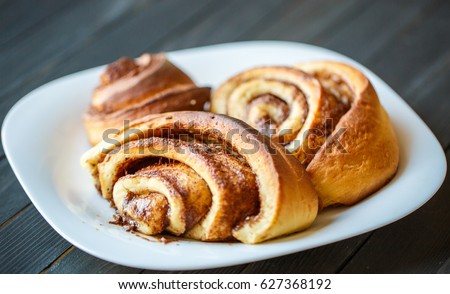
x: 407, y: 43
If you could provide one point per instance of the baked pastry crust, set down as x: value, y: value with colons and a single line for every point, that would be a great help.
x: 343, y: 136
x: 130, y: 89
x: 371, y: 154
x: 257, y: 190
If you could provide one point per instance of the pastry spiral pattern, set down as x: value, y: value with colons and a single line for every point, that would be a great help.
x: 132, y: 88
x: 283, y: 102
x: 328, y: 115
x: 203, y: 176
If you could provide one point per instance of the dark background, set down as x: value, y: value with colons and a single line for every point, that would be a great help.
x: 405, y: 42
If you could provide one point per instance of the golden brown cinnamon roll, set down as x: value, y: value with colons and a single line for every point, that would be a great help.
x: 328, y: 115
x: 130, y: 89
x: 283, y: 102
x: 204, y: 176
x: 362, y: 153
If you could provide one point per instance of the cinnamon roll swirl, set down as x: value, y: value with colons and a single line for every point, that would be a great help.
x: 130, y: 89
x: 325, y: 113
x: 203, y: 176
x: 283, y: 102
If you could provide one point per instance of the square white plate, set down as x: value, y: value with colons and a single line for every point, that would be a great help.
x: 43, y: 138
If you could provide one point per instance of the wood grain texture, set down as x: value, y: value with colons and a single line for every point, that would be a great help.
x: 374, y: 26
x: 207, y: 30
x: 29, y: 244
x: 306, y: 21
x: 75, y: 261
x: 54, y: 39
x: 405, y: 42
x: 22, y: 22
x: 323, y: 260
x: 419, y: 46
x: 13, y: 198
x: 445, y: 268
x: 431, y: 102
x: 224, y: 270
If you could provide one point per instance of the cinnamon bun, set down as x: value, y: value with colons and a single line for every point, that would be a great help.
x: 328, y: 115
x: 130, y: 89
x: 204, y: 176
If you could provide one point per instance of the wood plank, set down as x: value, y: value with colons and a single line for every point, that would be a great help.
x: 55, y: 38
x: 29, y: 244
x: 136, y: 35
x: 239, y: 16
x: 372, y: 28
x: 323, y: 260
x: 418, y: 243
x: 223, y: 270
x: 417, y: 48
x: 445, y: 268
x: 76, y: 261
x: 17, y: 20
x: 306, y: 21
x: 13, y: 198
x: 432, y: 104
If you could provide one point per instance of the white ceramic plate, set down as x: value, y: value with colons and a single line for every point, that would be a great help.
x: 43, y: 138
